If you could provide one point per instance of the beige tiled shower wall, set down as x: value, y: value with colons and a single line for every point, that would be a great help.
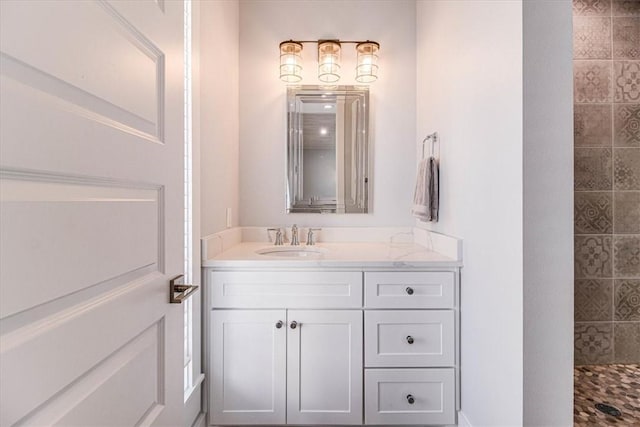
x: 606, y: 53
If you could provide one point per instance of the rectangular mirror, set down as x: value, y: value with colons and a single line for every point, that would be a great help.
x: 327, y: 149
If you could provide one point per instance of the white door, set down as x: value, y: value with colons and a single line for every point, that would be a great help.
x: 91, y: 178
x: 248, y: 367
x: 324, y: 367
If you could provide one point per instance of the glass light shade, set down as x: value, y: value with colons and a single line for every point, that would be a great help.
x: 328, y: 61
x: 367, y: 68
x: 290, y: 62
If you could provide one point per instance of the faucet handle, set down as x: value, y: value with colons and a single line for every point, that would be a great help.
x: 278, y: 240
x: 311, y: 237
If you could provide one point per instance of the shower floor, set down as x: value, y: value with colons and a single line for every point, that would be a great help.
x: 616, y: 385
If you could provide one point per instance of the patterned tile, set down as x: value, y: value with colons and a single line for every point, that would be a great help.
x: 626, y: 251
x: 592, y: 38
x: 593, y: 256
x: 617, y: 385
x: 593, y: 343
x: 593, y: 300
x: 626, y: 125
x: 627, y: 300
x: 626, y: 78
x: 626, y: 38
x: 625, y: 8
x: 626, y: 208
x: 592, y: 7
x: 626, y: 169
x: 627, y: 343
x: 592, y: 125
x: 592, y: 81
x: 592, y: 169
x: 592, y: 213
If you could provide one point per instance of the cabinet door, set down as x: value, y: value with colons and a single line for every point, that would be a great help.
x: 248, y: 367
x: 324, y: 366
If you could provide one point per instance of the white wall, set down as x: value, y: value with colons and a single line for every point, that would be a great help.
x: 548, y: 214
x: 263, y: 25
x: 219, y: 150
x: 469, y: 89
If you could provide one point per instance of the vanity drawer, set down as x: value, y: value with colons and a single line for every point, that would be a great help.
x: 272, y: 289
x: 389, y: 393
x: 409, y: 290
x: 409, y: 338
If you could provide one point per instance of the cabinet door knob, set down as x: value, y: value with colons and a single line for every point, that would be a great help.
x: 410, y: 339
x: 409, y: 290
x: 279, y: 324
x: 294, y: 324
x: 410, y: 399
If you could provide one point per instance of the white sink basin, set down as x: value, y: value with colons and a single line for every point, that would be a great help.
x: 292, y: 251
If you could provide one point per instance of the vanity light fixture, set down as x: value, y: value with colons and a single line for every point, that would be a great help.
x: 329, y: 60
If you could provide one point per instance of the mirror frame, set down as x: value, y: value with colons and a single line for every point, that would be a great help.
x: 349, y: 199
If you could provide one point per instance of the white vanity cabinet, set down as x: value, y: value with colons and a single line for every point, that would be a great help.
x: 298, y: 364
x: 304, y: 347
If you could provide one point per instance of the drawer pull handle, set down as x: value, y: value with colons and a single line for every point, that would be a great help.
x: 410, y: 339
x: 410, y: 399
x: 294, y: 324
x: 409, y: 290
x: 279, y: 324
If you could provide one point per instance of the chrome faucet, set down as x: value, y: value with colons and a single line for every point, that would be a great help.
x: 294, y: 236
x: 311, y: 238
x: 279, y: 241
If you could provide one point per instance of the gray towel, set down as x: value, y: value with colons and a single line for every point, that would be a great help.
x: 426, y: 194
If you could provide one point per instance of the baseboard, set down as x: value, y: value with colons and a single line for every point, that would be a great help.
x: 463, y: 421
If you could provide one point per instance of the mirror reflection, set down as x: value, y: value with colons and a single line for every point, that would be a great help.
x: 327, y: 150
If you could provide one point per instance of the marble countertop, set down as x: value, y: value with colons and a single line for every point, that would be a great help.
x: 335, y: 255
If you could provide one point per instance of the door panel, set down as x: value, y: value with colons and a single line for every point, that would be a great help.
x: 101, y: 231
x: 248, y: 367
x: 134, y: 367
x: 62, y: 347
x: 91, y: 180
x: 97, y: 83
x: 324, y: 367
